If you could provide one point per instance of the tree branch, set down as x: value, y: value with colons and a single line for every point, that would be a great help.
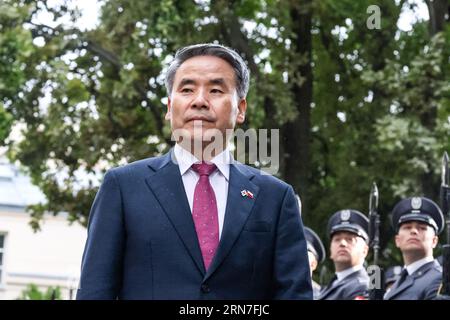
x: 142, y: 91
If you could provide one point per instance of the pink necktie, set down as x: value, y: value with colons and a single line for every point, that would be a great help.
x: 204, y: 213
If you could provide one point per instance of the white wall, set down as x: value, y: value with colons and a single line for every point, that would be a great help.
x: 49, y: 257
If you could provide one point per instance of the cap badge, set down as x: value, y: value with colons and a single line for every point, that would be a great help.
x: 345, y: 215
x: 416, y: 203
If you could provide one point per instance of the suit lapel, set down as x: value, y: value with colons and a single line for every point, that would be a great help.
x: 237, y: 211
x: 329, y: 288
x: 338, y: 284
x: 167, y: 185
x: 408, y: 282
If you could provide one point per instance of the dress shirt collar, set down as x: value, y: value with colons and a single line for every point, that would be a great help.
x: 186, y: 159
x: 343, y: 274
x: 413, y: 267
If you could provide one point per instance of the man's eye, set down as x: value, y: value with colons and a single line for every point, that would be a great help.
x: 216, y: 91
x: 186, y: 90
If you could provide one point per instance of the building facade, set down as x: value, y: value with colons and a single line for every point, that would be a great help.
x: 49, y: 257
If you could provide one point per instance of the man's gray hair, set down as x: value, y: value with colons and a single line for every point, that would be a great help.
x: 209, y: 49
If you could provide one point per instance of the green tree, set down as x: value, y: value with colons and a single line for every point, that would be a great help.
x: 15, y: 48
x: 32, y: 292
x: 353, y: 105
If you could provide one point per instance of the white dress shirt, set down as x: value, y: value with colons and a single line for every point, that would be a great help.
x: 218, y: 179
x: 413, y: 267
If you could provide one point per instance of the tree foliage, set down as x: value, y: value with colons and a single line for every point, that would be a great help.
x: 353, y: 105
x: 32, y: 292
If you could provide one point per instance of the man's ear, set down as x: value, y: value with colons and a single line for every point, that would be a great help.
x: 435, y: 241
x: 242, y: 107
x: 366, y: 250
x: 169, y: 109
x: 313, y: 264
x: 396, y: 241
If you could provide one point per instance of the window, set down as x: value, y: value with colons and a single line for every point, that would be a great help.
x: 2, y: 245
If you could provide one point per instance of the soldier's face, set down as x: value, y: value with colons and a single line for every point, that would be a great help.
x: 347, y: 250
x: 417, y: 239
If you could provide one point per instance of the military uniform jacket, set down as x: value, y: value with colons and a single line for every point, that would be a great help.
x: 354, y: 285
x: 423, y: 284
x: 316, y: 289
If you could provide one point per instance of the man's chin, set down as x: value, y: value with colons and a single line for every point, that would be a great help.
x: 212, y: 136
x: 203, y: 147
x: 343, y: 259
x: 414, y: 249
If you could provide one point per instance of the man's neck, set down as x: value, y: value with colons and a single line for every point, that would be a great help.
x: 409, y: 258
x: 203, y: 151
x: 343, y: 273
x: 342, y: 266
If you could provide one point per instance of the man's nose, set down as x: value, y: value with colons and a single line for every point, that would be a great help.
x: 200, y: 100
x: 343, y: 243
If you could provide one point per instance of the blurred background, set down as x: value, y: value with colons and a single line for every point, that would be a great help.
x: 360, y: 91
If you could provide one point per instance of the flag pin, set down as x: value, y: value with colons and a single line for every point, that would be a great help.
x: 246, y: 193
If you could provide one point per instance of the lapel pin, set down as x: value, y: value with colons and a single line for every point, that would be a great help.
x: 246, y: 193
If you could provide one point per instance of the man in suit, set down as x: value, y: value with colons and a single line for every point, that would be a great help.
x: 316, y: 255
x: 417, y: 222
x: 348, y: 230
x: 194, y: 223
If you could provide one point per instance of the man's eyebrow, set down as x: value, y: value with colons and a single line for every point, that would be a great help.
x: 218, y: 81
x: 186, y: 81
x: 215, y: 81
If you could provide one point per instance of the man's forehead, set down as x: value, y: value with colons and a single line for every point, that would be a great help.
x: 414, y: 222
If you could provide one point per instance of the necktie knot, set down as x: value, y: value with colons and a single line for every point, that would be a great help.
x: 203, y: 168
x: 403, y: 276
x: 404, y: 273
x: 334, y: 280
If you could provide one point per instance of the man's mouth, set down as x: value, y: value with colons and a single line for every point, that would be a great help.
x: 199, y: 118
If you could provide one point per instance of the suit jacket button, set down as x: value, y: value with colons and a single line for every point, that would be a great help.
x: 205, y: 288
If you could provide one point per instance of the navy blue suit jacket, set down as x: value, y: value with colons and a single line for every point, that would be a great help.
x: 142, y: 242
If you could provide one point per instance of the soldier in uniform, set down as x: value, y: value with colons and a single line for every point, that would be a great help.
x: 348, y: 231
x: 417, y: 222
x: 316, y: 255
